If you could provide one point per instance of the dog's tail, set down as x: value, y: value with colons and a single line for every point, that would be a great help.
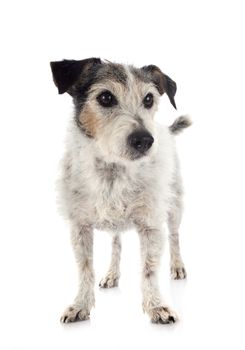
x: 179, y: 124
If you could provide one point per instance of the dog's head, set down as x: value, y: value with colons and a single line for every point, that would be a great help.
x: 115, y: 103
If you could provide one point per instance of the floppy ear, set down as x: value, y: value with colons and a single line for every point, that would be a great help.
x: 162, y: 82
x: 67, y: 72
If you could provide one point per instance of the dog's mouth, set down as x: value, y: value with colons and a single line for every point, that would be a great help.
x: 134, y: 155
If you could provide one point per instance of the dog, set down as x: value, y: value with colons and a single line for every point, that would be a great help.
x: 120, y: 171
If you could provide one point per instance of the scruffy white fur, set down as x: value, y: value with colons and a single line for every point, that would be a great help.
x: 102, y: 188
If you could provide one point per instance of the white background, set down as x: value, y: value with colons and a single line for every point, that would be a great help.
x: 200, y: 44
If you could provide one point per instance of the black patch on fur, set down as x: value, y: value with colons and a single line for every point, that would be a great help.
x: 81, y: 89
x: 76, y: 78
x: 67, y: 72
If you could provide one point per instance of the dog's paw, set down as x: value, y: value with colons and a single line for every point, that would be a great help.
x: 74, y: 313
x: 178, y: 272
x: 163, y: 315
x: 109, y: 281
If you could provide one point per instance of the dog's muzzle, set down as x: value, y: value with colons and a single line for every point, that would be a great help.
x: 140, y: 141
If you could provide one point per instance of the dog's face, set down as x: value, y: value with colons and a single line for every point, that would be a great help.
x: 115, y: 104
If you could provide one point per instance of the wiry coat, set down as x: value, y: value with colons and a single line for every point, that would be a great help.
x: 114, y: 196
x: 112, y: 183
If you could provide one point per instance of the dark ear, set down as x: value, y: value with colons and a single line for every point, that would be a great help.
x: 162, y: 82
x: 67, y: 72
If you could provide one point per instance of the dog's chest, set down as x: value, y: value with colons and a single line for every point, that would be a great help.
x: 113, y: 191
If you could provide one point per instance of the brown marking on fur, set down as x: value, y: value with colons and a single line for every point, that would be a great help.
x: 89, y: 122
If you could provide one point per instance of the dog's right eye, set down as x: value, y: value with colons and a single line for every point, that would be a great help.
x: 107, y: 99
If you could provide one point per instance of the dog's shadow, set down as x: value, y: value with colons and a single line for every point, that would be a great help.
x: 110, y: 291
x: 177, y: 290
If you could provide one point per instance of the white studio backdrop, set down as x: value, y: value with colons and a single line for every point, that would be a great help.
x: 200, y: 44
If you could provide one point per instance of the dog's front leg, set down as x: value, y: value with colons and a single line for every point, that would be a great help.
x: 111, y: 278
x: 82, y: 241
x: 151, y: 240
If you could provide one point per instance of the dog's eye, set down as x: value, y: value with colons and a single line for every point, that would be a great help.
x: 148, y: 101
x: 106, y: 99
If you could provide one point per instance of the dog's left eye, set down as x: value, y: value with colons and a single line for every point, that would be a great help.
x: 106, y: 99
x: 148, y: 101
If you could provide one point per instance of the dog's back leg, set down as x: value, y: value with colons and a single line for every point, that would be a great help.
x: 112, y: 277
x: 174, y: 218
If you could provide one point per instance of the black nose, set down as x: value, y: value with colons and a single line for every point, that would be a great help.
x: 140, y: 140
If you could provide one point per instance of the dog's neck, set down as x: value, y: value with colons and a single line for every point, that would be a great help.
x: 109, y: 171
